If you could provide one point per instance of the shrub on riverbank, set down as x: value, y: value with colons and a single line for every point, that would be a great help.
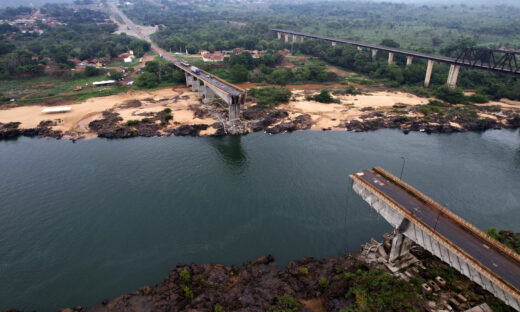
x: 270, y: 96
x: 323, y: 97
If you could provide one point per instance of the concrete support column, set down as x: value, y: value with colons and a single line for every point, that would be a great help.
x: 302, y: 38
x: 359, y: 48
x: 189, y: 79
x: 400, y: 246
x: 374, y: 54
x: 195, y: 85
x: 279, y: 35
x: 429, y: 70
x: 202, y: 89
x: 409, y: 60
x: 294, y: 38
x: 234, y: 109
x: 209, y: 95
x: 390, y: 57
x: 453, y: 76
x: 286, y: 37
x: 333, y: 43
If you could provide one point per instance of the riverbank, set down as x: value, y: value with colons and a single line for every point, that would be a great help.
x: 178, y: 111
x: 364, y: 281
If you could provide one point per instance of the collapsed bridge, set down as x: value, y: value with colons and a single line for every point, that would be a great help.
x: 458, y: 243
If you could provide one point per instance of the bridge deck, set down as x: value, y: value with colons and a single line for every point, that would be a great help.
x: 503, y: 265
x: 428, y: 56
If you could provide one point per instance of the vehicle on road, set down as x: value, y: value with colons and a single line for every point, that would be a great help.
x: 195, y: 70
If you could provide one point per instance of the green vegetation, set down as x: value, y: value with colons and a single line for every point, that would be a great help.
x: 324, y: 284
x: 159, y: 72
x: 185, y: 276
x: 323, y: 97
x: 218, y: 308
x: 288, y: 304
x: 188, y: 293
x: 437, y: 29
x: 270, y: 96
x: 378, y: 290
x: 304, y: 271
x: 508, y: 238
x: 48, y: 89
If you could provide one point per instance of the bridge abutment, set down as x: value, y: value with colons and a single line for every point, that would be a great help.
x: 428, y: 77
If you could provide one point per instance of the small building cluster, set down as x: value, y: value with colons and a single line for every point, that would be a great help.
x: 218, y: 56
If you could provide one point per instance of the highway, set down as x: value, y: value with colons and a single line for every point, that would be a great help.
x: 506, y: 267
x: 137, y: 31
x: 433, y: 57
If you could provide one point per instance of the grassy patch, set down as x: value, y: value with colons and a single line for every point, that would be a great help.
x: 48, y: 89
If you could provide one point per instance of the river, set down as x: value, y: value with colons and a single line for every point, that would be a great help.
x: 87, y: 221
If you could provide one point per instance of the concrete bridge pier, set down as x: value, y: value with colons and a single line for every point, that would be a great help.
x: 209, y: 95
x: 409, y: 60
x: 374, y: 54
x: 429, y: 70
x: 279, y: 35
x: 234, y: 109
x: 400, y: 247
x: 202, y: 88
x: 294, y: 38
x: 359, y: 48
x: 453, y: 76
x: 286, y: 37
x: 302, y: 38
x: 189, y: 79
x: 333, y: 43
x: 195, y: 85
x: 390, y: 57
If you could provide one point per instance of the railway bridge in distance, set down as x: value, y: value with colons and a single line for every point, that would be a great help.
x: 458, y: 243
x: 503, y: 61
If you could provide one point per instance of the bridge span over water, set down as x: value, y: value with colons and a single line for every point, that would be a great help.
x: 488, y: 59
x: 458, y: 243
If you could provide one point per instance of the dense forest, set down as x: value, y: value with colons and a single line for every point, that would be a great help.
x: 438, y: 29
x: 84, y: 34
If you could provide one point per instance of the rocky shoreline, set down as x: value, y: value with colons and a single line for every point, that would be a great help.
x: 365, y: 281
x: 275, y: 121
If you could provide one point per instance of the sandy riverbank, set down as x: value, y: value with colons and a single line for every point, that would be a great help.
x: 184, y: 105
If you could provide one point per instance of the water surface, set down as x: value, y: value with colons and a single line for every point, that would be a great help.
x: 92, y: 220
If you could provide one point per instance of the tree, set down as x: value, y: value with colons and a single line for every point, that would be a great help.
x: 239, y: 73
x: 390, y: 43
x: 191, y: 49
x: 147, y: 80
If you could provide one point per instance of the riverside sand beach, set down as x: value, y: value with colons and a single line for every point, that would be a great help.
x: 187, y: 110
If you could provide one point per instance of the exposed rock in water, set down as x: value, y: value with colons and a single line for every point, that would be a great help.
x: 192, y: 130
x: 302, y: 122
x: 11, y: 130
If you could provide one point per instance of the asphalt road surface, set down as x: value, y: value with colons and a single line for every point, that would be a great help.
x: 502, y: 265
x: 137, y: 31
